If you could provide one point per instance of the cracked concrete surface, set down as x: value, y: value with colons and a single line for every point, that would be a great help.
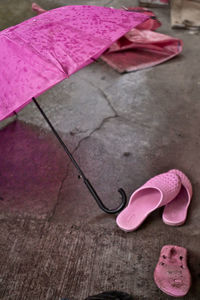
x: 55, y: 243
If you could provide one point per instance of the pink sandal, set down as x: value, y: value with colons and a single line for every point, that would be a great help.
x: 155, y: 193
x: 171, y: 274
x: 175, y: 213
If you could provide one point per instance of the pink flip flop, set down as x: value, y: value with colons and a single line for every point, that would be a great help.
x: 155, y: 193
x: 175, y: 213
x: 171, y: 274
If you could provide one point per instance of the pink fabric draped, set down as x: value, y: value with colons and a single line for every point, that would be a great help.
x: 142, y: 47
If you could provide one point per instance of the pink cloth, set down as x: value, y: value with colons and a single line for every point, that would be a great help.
x: 44, y: 50
x: 142, y: 47
x: 37, y: 8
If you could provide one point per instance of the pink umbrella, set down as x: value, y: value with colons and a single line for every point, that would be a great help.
x: 44, y: 50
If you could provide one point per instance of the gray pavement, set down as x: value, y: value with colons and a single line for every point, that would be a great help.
x: 55, y: 243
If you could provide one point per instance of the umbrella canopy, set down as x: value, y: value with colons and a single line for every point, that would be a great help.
x: 44, y: 50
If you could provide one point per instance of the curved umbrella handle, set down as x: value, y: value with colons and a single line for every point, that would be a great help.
x: 100, y: 203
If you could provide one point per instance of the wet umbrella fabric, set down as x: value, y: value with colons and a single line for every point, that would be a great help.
x: 44, y: 50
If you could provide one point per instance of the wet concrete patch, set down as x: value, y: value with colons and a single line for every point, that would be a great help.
x: 32, y: 169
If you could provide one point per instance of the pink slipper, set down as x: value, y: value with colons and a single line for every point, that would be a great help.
x: 171, y: 274
x: 175, y: 213
x: 156, y: 192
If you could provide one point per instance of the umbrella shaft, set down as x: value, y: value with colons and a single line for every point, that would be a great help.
x: 59, y: 139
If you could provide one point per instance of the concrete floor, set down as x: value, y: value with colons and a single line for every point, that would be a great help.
x: 55, y: 243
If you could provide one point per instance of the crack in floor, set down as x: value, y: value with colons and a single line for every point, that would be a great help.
x: 92, y: 132
x: 105, y: 96
x: 115, y: 114
x: 59, y: 193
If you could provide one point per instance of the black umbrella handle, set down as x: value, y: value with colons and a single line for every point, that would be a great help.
x: 85, y: 180
x: 100, y: 203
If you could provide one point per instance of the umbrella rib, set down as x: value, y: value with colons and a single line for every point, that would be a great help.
x: 86, y: 181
